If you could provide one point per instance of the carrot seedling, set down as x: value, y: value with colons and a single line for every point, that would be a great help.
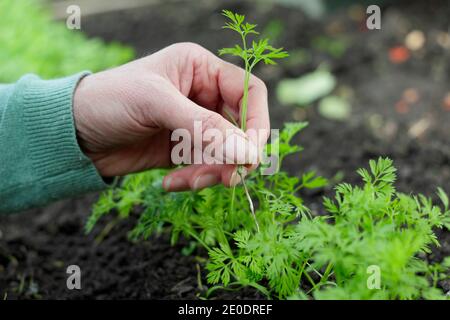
x: 251, y: 53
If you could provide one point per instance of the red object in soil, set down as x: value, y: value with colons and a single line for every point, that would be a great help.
x: 402, y: 107
x: 399, y: 54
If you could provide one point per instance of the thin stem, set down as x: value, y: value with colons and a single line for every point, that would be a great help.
x: 203, y: 243
x: 199, y: 278
x: 244, y: 105
x: 250, y: 202
x: 311, y: 281
x: 230, y: 117
x: 323, y: 279
x: 233, y: 195
x: 245, y: 101
x: 246, y: 85
x: 106, y: 230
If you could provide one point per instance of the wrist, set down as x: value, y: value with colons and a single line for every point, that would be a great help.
x: 80, y: 105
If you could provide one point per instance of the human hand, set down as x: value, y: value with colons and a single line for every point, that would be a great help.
x: 124, y: 116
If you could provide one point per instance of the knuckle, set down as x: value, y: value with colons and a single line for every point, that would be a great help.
x: 189, y: 46
x: 191, y: 53
x: 261, y: 84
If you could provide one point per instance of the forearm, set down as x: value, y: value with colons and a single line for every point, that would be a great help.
x: 40, y: 160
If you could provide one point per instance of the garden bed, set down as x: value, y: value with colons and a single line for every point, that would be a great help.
x: 37, y: 246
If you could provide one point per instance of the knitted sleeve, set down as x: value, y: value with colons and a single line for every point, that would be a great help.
x: 40, y: 160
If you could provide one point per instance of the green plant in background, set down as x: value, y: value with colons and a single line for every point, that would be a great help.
x: 334, y: 46
x: 30, y: 42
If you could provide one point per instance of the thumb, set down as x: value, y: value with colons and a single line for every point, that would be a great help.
x: 208, y: 129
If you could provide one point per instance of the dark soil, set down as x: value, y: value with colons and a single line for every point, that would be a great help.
x: 37, y: 246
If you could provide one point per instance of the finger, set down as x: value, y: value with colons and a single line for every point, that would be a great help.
x: 196, y: 177
x: 179, y: 112
x: 221, y: 84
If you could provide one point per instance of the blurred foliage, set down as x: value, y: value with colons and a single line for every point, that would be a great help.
x: 31, y: 42
x: 313, y: 9
x: 298, y: 57
x: 333, y: 46
x: 274, y: 30
x: 306, y: 89
x: 335, y: 108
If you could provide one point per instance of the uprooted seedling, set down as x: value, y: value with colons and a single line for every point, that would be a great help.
x: 251, y: 53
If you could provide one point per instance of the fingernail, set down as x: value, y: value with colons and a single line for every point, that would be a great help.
x: 236, y: 178
x: 174, y: 184
x: 240, y: 150
x: 253, y: 167
x: 204, y: 181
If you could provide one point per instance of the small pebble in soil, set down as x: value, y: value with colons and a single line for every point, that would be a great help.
x: 419, y: 128
x: 411, y: 95
x: 415, y: 40
x: 443, y: 39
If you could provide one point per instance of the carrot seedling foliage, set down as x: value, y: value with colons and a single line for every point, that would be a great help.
x: 296, y: 254
x: 251, y: 53
x: 370, y: 228
x: 239, y: 255
x: 366, y: 243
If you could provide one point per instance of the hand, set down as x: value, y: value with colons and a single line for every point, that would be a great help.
x: 124, y: 116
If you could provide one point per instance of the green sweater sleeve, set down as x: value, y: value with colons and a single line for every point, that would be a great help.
x: 40, y: 160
